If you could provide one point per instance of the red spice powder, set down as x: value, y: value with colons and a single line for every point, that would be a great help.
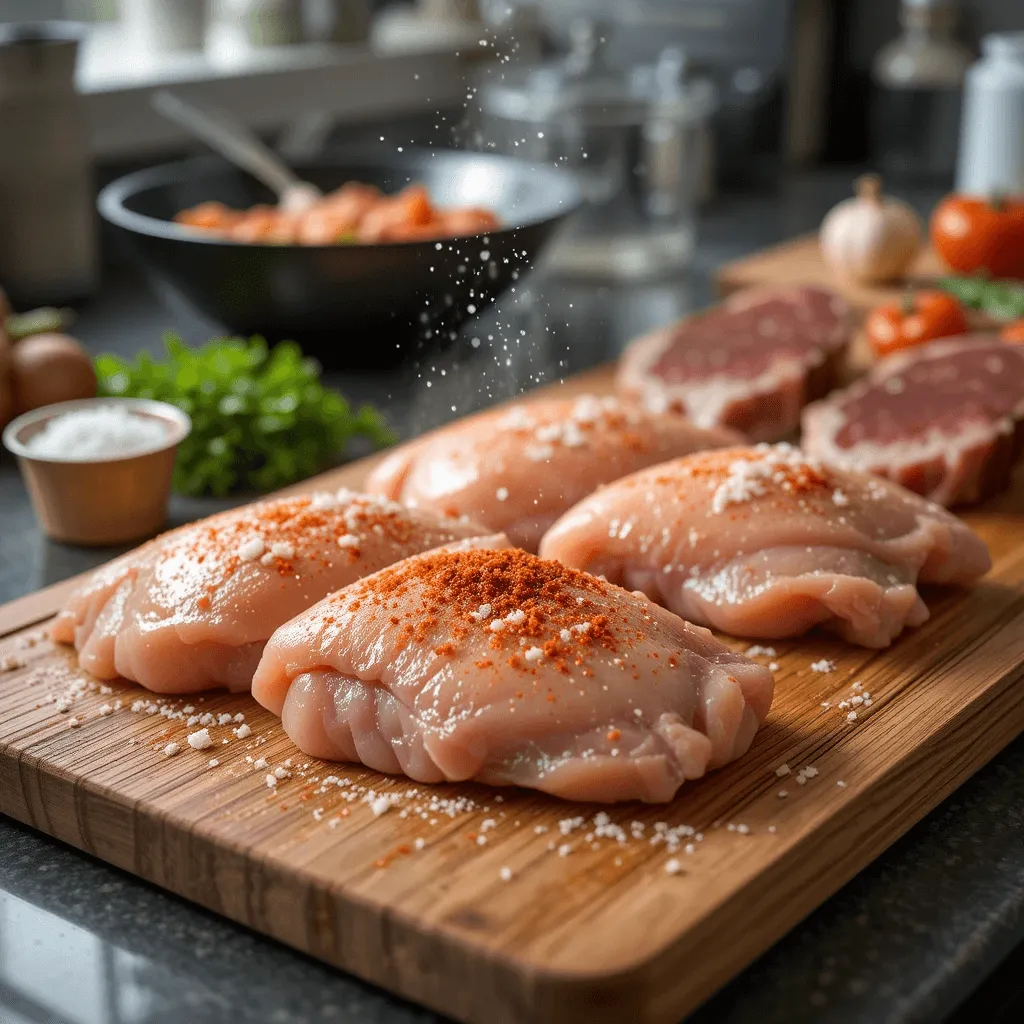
x: 542, y: 605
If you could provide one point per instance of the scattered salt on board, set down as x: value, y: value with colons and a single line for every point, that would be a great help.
x: 103, y: 432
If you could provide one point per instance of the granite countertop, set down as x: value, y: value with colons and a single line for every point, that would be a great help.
x: 906, y: 941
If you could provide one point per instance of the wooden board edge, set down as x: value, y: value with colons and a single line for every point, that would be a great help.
x: 378, y: 945
x: 844, y: 838
x: 37, y: 607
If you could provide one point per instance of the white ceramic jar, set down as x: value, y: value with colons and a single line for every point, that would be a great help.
x: 991, y: 155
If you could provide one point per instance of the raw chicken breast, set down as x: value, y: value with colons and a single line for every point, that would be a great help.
x: 517, y: 470
x: 766, y: 542
x: 496, y: 666
x: 192, y: 609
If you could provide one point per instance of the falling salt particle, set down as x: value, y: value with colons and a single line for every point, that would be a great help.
x: 438, y: 246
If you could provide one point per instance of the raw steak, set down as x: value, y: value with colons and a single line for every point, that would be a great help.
x: 764, y: 542
x: 192, y: 609
x: 751, y: 364
x: 497, y: 666
x: 943, y: 420
x: 517, y: 470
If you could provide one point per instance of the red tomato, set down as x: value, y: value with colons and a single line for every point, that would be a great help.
x: 978, y: 234
x: 919, y: 318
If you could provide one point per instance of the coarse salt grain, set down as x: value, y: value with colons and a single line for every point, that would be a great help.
x: 756, y: 650
x: 782, y: 770
x: 101, y: 432
x: 200, y: 739
x: 505, y: 874
x: 673, y: 866
x: 251, y: 549
x: 501, y: 494
x: 348, y: 540
x: 73, y: 723
x: 171, y: 749
x: 824, y: 665
x: 380, y: 805
x: 212, y: 763
x: 270, y: 781
x: 243, y: 732
x: 533, y: 654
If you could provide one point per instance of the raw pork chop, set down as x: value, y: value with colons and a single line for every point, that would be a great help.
x: 751, y: 364
x: 503, y: 668
x: 192, y: 609
x: 517, y: 470
x: 944, y: 419
x: 765, y: 542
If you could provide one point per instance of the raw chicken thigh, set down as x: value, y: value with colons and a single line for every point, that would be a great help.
x: 766, y: 542
x: 497, y: 666
x: 517, y: 470
x: 193, y: 608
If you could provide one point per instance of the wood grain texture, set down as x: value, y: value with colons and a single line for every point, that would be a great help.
x: 799, y: 262
x: 602, y: 935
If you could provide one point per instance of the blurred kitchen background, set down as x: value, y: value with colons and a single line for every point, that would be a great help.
x: 677, y: 116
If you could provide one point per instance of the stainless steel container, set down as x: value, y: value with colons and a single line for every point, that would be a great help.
x: 47, y: 224
x: 639, y: 142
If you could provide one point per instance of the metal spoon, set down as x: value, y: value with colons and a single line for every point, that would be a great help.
x: 221, y: 132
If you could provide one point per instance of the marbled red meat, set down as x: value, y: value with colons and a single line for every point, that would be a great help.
x: 750, y: 364
x: 943, y: 420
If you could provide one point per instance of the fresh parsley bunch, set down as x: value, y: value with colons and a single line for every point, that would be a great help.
x: 260, y: 416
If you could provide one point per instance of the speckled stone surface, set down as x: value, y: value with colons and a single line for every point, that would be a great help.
x: 905, y: 941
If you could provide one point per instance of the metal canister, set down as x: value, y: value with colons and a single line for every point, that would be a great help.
x: 48, y: 251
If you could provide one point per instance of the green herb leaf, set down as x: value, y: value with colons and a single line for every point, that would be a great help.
x: 261, y: 419
x: 1002, y: 300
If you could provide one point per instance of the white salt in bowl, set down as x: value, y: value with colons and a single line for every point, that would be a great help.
x: 99, y: 489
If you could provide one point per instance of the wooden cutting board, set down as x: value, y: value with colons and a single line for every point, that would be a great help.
x: 799, y: 262
x: 505, y: 908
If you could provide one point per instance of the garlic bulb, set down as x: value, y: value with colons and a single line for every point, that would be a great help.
x: 871, y: 238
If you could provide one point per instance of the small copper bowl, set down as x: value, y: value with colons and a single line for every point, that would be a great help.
x: 99, y: 502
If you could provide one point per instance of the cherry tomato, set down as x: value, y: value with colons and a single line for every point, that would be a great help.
x: 921, y: 317
x: 1013, y: 331
x: 973, y: 234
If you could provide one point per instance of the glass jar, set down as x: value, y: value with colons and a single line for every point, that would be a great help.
x: 638, y: 141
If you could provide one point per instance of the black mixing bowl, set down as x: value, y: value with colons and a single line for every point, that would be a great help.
x: 353, y: 306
